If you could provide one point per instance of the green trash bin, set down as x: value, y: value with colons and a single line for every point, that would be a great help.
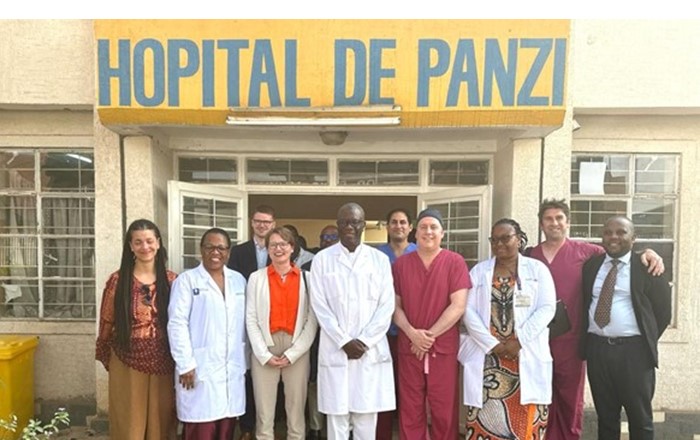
x: 17, y: 379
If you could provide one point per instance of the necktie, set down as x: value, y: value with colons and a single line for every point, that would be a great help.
x: 602, y: 310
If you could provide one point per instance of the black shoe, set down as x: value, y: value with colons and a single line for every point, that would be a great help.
x: 313, y: 435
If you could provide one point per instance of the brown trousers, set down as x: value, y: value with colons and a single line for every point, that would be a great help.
x: 141, y: 406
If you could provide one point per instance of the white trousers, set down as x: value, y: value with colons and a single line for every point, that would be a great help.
x: 364, y: 426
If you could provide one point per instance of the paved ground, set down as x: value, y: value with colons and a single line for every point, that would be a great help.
x: 80, y: 432
x: 667, y: 426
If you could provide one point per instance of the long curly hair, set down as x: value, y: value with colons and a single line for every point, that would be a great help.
x: 123, y: 302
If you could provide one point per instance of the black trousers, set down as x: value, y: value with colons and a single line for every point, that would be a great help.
x: 621, y: 374
x: 247, y: 420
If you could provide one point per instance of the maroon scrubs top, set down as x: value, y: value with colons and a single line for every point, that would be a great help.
x: 566, y: 272
x: 425, y: 294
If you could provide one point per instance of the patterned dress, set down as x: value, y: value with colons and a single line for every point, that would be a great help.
x: 502, y: 416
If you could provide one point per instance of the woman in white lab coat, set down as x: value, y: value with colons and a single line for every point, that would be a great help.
x: 505, y: 352
x: 281, y: 328
x: 208, y: 342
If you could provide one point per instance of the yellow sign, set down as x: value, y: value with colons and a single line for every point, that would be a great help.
x: 440, y: 73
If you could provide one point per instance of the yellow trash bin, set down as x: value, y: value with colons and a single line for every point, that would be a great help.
x: 17, y: 378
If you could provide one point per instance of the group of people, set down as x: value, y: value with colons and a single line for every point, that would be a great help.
x: 368, y: 330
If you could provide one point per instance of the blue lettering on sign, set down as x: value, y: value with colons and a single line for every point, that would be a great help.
x: 233, y: 78
x: 207, y: 73
x: 435, y: 59
x: 525, y: 94
x: 158, y: 72
x: 559, y: 70
x: 494, y: 67
x: 426, y: 71
x: 290, y: 76
x: 122, y: 72
x: 376, y: 72
x: 176, y: 71
x: 360, y: 85
x: 263, y: 71
x: 464, y: 70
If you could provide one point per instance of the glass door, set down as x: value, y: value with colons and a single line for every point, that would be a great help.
x: 194, y: 208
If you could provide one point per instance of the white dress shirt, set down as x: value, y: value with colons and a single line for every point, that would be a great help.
x: 622, y: 319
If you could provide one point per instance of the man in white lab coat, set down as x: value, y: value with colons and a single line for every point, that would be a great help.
x: 352, y: 294
x: 208, y: 341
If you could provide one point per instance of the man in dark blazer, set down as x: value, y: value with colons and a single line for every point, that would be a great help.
x: 246, y: 258
x: 251, y: 255
x: 625, y: 311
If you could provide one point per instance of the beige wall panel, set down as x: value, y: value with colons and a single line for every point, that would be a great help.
x: 138, y: 172
x: 31, y: 128
x: 635, y: 64
x: 163, y: 170
x: 47, y: 62
x: 503, y: 180
x: 108, y: 228
x: 526, y: 184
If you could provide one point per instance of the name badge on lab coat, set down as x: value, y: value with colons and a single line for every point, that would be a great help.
x: 522, y: 300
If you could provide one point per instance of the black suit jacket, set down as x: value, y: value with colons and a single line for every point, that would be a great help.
x: 243, y: 259
x: 651, y: 300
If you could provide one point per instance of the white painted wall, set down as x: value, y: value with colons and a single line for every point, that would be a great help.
x: 628, y: 64
x: 47, y: 63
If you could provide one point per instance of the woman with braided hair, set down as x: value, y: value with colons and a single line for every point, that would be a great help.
x: 132, y: 343
x: 505, y: 353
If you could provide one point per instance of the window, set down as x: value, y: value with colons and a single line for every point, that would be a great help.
x: 200, y: 214
x: 461, y: 218
x: 378, y: 172
x: 459, y: 173
x: 207, y: 170
x: 643, y: 187
x: 287, y: 172
x: 47, y: 243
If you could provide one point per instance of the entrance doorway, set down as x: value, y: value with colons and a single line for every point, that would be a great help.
x: 310, y: 213
x: 194, y: 208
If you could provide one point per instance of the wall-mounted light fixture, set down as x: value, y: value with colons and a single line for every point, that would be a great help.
x: 333, y: 137
x: 350, y: 116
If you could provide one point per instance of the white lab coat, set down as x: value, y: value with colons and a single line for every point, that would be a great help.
x: 535, y: 359
x: 207, y: 334
x: 353, y: 302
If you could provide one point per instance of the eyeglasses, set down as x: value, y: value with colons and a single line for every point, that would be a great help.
x: 356, y: 224
x: 281, y: 245
x: 211, y: 248
x: 329, y: 237
x: 504, y: 239
x: 263, y: 222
